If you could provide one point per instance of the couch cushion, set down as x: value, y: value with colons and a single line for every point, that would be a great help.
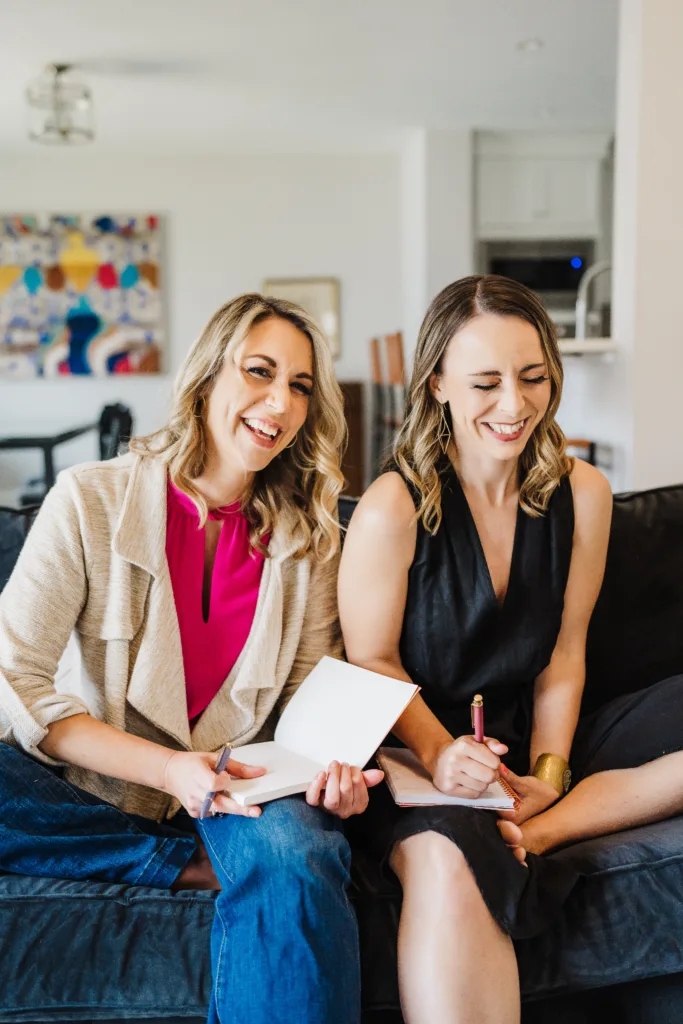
x: 97, y: 951
x: 623, y: 921
x: 635, y: 637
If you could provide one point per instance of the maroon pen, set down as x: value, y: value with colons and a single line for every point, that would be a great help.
x: 477, y: 708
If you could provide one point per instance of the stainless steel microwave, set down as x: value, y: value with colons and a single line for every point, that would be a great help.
x: 551, y: 268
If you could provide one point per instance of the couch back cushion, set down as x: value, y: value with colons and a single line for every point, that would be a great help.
x: 11, y: 541
x: 635, y: 637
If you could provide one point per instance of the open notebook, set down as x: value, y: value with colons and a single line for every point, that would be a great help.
x: 411, y: 785
x: 339, y: 713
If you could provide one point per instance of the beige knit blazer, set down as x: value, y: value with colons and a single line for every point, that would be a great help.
x: 88, y: 624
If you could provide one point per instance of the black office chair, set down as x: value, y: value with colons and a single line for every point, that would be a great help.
x: 116, y: 430
x: 14, y: 526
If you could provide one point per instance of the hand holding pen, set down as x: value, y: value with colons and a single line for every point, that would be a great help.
x: 192, y: 777
x: 221, y: 765
x: 467, y: 765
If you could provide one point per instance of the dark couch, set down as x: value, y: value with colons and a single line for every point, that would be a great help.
x: 94, y: 951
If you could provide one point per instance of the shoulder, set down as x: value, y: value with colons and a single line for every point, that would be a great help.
x: 592, y: 494
x: 94, y: 481
x: 98, y: 497
x: 387, y: 507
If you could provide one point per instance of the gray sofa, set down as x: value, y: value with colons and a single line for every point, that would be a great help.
x: 75, y: 951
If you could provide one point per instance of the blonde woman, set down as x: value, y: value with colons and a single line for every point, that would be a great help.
x: 472, y: 566
x: 191, y: 586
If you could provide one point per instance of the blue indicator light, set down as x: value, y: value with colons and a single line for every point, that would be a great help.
x: 576, y: 262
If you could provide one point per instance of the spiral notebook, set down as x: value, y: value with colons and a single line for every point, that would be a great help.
x: 411, y: 785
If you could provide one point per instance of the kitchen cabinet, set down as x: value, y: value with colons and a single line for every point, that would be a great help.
x: 534, y: 186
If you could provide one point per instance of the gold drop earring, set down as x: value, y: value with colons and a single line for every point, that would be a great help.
x: 444, y: 428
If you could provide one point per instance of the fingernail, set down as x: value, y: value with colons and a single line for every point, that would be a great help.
x: 503, y: 768
x: 254, y: 812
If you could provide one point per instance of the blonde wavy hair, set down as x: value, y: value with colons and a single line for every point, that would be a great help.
x: 427, y: 426
x: 301, y: 485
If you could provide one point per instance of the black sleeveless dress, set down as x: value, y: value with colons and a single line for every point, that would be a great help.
x: 457, y: 641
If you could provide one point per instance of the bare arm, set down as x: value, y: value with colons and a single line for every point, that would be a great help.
x: 373, y: 585
x: 558, y: 689
x: 85, y: 741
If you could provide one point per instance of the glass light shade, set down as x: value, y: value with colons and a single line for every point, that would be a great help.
x: 60, y: 108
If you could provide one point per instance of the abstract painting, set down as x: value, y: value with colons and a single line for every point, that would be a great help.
x: 80, y: 296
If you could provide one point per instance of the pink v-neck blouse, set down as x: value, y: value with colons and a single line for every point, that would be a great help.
x: 210, y: 649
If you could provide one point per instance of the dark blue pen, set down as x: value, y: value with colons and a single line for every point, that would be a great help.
x: 221, y: 765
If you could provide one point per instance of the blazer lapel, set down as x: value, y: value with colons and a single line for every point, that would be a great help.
x: 156, y: 688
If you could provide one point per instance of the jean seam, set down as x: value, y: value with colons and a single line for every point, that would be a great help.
x: 207, y: 839
x: 219, y: 960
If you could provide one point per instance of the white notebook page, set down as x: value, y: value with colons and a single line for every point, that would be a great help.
x: 339, y: 713
x: 342, y: 712
x: 410, y: 783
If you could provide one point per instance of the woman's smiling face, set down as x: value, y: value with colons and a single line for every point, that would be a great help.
x: 260, y: 398
x: 495, y: 379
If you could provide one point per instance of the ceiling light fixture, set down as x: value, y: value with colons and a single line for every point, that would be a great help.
x: 60, y: 108
x: 532, y: 45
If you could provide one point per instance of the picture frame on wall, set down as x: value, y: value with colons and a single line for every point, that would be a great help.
x: 319, y: 296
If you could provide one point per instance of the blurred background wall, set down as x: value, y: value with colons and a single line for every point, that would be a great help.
x: 229, y: 222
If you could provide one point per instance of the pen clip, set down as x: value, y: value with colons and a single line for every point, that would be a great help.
x: 477, y: 702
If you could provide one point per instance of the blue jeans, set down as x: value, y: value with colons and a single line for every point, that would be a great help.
x: 284, y: 945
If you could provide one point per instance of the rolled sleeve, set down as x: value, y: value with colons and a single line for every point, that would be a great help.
x: 39, y: 608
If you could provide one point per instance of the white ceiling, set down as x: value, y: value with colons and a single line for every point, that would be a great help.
x: 314, y: 74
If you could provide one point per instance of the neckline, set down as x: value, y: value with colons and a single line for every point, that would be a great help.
x: 516, y: 543
x: 184, y: 502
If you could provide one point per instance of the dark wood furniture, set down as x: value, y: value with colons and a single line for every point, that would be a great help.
x: 353, y: 463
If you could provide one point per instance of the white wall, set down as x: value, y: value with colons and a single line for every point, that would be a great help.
x: 651, y: 206
x: 634, y: 402
x: 230, y: 222
x: 437, y: 218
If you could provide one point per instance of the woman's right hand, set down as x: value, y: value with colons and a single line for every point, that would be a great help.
x: 465, y: 768
x: 189, y: 776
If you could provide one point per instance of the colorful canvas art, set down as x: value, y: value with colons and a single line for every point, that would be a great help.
x: 80, y: 295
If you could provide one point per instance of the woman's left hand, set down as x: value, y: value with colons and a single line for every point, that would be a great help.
x: 534, y: 795
x: 343, y: 790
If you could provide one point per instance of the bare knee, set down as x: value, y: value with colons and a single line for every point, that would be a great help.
x: 430, y: 859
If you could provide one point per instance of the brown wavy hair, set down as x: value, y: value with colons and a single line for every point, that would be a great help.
x: 420, y: 444
x: 301, y: 485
